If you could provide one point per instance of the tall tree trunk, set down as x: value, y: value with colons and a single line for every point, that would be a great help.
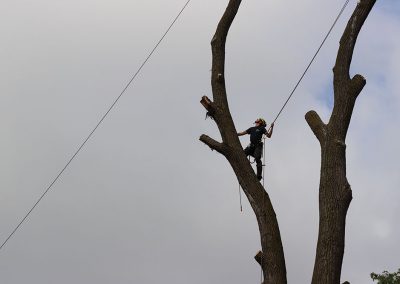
x: 272, y: 258
x: 335, y: 193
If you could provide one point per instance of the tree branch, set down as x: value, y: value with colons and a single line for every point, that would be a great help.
x: 348, y: 41
x: 357, y: 84
x: 213, y: 144
x: 225, y: 122
x: 316, y: 125
x: 259, y: 257
x: 218, y: 51
x: 208, y: 105
x: 346, y: 90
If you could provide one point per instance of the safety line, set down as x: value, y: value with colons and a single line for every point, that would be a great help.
x: 263, y: 177
x: 312, y: 60
x: 240, y: 199
x: 98, y: 124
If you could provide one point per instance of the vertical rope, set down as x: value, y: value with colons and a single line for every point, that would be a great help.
x: 263, y: 164
x: 263, y: 173
x: 240, y: 199
x: 261, y: 276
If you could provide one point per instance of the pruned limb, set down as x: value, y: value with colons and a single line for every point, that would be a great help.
x: 316, y: 125
x: 213, y: 144
x: 357, y: 84
x: 259, y: 258
x: 208, y: 105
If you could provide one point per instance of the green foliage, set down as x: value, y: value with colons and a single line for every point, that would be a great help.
x: 386, y: 277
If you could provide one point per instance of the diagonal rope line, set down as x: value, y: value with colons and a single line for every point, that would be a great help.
x: 98, y: 124
x: 312, y: 60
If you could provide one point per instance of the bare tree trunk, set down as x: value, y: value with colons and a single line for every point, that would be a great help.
x: 334, y: 191
x: 272, y: 259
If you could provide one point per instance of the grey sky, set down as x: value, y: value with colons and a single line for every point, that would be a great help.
x: 145, y: 201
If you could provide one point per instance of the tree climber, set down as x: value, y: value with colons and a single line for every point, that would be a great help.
x: 255, y: 147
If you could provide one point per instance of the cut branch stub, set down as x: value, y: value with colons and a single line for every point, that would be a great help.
x: 208, y: 105
x: 259, y: 257
x: 357, y: 83
x: 316, y: 125
x: 213, y: 144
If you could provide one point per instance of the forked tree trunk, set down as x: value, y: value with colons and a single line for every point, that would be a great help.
x: 334, y: 191
x: 272, y: 259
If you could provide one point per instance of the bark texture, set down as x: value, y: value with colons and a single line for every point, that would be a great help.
x: 273, y: 261
x: 335, y: 193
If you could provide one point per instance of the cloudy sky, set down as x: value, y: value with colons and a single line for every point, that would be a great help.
x: 146, y: 202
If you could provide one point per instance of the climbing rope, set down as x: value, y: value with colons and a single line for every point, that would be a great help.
x: 263, y: 164
x: 98, y: 124
x: 240, y: 199
x: 312, y: 60
x: 261, y: 276
x: 263, y: 178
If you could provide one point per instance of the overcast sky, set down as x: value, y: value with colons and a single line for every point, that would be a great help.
x: 145, y: 201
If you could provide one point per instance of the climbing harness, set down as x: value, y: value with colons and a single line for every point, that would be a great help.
x: 252, y: 145
x: 263, y: 173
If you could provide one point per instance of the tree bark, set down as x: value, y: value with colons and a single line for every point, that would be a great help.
x: 335, y: 193
x: 273, y: 261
